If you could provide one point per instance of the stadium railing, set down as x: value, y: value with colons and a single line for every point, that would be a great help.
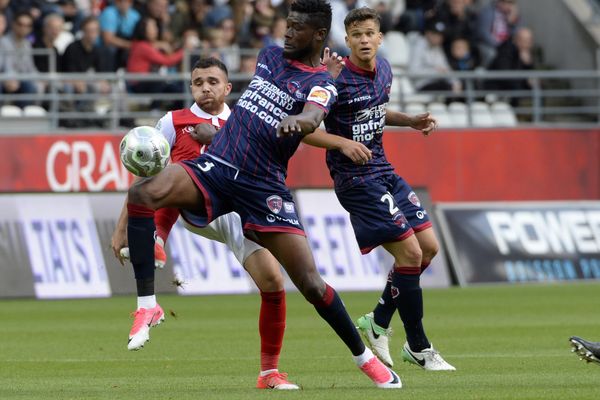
x: 555, y: 98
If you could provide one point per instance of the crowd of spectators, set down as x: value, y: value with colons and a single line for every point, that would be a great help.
x: 144, y: 36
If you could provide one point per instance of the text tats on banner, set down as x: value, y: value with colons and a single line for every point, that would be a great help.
x: 63, y: 246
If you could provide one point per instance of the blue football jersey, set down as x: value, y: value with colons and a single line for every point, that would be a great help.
x: 279, y: 88
x: 359, y: 115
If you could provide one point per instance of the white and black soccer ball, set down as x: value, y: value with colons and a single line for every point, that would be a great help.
x: 144, y: 151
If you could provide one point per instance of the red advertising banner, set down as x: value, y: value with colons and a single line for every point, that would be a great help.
x: 455, y: 165
x: 62, y: 163
x: 481, y: 164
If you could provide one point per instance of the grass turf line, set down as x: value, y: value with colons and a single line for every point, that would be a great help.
x: 507, y: 342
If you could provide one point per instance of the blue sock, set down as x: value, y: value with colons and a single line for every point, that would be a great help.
x: 408, y: 297
x: 140, y: 235
x: 331, y: 309
x: 385, y: 308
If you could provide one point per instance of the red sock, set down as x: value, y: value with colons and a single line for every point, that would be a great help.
x: 165, y: 218
x: 271, y: 326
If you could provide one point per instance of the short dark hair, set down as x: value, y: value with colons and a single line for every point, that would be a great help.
x: 360, y: 15
x: 139, y: 32
x: 23, y: 13
x: 319, y: 11
x: 88, y: 20
x: 207, y: 62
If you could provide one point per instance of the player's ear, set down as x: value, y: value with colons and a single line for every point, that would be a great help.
x: 321, y: 34
x: 380, y: 38
x: 228, y: 88
x: 347, y: 41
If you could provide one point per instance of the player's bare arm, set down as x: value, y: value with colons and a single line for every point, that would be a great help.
x: 204, y: 133
x: 421, y: 122
x: 355, y: 151
x: 301, y: 124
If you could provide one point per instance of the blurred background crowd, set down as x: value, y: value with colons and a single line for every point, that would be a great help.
x: 149, y: 36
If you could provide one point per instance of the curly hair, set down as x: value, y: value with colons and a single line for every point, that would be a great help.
x: 319, y: 11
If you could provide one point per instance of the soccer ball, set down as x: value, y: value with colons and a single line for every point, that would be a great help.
x: 144, y: 151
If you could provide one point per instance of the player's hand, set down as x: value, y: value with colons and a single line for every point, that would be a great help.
x: 204, y: 133
x: 357, y: 152
x: 424, y: 123
x: 289, y: 126
x: 117, y: 242
x: 334, y: 63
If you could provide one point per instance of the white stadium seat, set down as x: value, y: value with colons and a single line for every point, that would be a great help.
x: 396, y: 48
x: 34, y: 111
x: 439, y: 112
x: 458, y: 113
x: 503, y: 114
x: 415, y: 108
x: 11, y: 111
x: 480, y: 114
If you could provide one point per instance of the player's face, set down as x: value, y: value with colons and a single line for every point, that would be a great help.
x: 364, y: 38
x: 299, y: 37
x: 210, y: 86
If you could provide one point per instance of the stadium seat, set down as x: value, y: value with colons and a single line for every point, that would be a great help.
x: 11, y: 111
x: 439, y: 112
x: 415, y: 108
x: 34, y: 111
x: 503, y: 114
x: 458, y: 113
x: 396, y: 48
x: 480, y: 114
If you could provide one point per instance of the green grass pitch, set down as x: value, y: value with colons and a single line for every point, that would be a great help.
x: 507, y: 343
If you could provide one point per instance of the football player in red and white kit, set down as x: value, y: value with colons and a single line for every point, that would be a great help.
x: 210, y: 85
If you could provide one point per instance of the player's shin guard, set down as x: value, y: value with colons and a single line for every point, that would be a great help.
x: 408, y: 297
x: 140, y: 235
x: 331, y: 308
x: 385, y: 308
x: 271, y: 326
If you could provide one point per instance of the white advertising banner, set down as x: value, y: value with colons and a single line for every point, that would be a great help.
x: 205, y: 266
x: 63, y: 246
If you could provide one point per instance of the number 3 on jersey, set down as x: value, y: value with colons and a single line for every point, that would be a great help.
x: 388, y: 198
x: 206, y: 167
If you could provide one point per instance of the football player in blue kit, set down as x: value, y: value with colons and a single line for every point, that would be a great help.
x: 244, y: 170
x: 384, y: 210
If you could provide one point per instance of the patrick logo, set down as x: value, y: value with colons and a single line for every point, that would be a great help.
x: 274, y: 203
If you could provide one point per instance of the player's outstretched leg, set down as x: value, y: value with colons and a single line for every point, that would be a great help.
x: 586, y: 350
x: 171, y: 187
x: 294, y: 254
x: 140, y: 231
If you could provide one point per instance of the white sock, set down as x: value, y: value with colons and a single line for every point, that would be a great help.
x: 360, y: 360
x: 267, y: 372
x: 146, y: 302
